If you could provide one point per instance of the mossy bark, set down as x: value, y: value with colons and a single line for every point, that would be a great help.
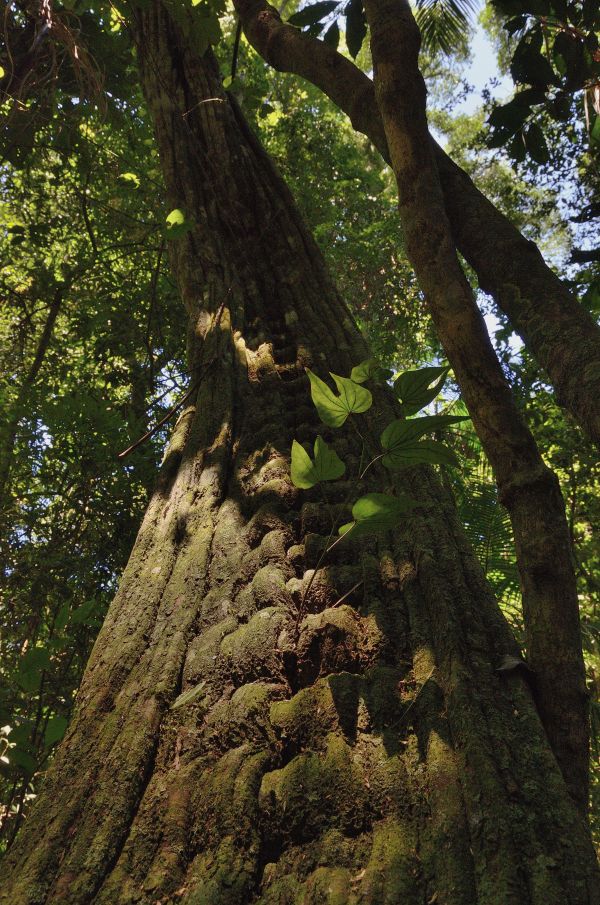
x: 364, y: 752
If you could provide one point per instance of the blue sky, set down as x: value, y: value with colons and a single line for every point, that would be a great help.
x: 483, y: 68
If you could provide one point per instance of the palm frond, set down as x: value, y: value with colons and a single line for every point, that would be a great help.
x: 488, y: 527
x: 444, y: 24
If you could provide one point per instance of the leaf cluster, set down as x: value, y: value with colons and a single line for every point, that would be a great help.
x: 556, y: 56
x: 400, y: 442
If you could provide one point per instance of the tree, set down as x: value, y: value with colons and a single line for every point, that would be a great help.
x: 237, y: 738
x: 557, y: 330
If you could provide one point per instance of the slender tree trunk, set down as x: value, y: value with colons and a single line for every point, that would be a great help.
x: 527, y: 487
x: 367, y: 751
x: 8, y: 434
x: 559, y: 332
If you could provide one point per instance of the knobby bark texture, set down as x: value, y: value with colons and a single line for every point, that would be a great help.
x: 359, y: 752
x: 527, y: 487
x: 560, y: 333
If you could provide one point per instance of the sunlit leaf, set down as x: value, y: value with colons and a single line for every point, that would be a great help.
x: 131, y: 178
x: 377, y: 512
x: 177, y: 224
x: 333, y: 410
x: 371, y: 369
x: 327, y: 465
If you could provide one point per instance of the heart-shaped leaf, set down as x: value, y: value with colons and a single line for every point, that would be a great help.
x: 377, y: 512
x: 327, y: 465
x: 177, y: 224
x: 370, y: 369
x: 333, y: 410
x: 416, y: 389
x: 402, y: 431
x: 419, y: 452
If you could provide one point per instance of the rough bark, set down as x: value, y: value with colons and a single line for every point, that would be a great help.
x: 364, y: 752
x: 527, y: 487
x: 561, y: 335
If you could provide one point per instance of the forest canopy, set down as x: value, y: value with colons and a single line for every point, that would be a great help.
x: 428, y: 203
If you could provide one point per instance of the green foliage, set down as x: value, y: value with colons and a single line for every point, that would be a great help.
x: 333, y: 410
x: 375, y: 512
x: 317, y: 18
x: 556, y: 55
x: 314, y: 13
x: 327, y: 465
x: 81, y: 237
x: 445, y: 23
x: 402, y: 449
x: 177, y: 224
x: 416, y: 389
x: 370, y: 370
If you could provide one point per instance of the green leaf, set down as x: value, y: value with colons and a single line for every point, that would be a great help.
x: 529, y: 65
x: 377, y: 512
x: 536, y: 144
x: 177, y: 224
x: 591, y: 297
x: 83, y: 614
x: 333, y: 410
x: 402, y: 432
x: 56, y: 728
x: 23, y: 759
x: 416, y: 389
x: 332, y: 36
x: 130, y: 177
x: 418, y: 453
x: 356, y: 26
x: 187, y: 697
x: 595, y: 131
x: 354, y: 397
x: 370, y: 369
x: 327, y: 465
x: 62, y: 617
x: 444, y: 23
x: 31, y: 666
x: 313, y: 13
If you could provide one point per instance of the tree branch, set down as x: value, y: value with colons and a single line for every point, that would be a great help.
x: 559, y: 332
x: 527, y: 487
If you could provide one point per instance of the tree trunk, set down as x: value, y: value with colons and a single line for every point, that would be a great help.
x: 359, y: 752
x: 559, y: 332
x: 9, y: 430
x: 527, y: 487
